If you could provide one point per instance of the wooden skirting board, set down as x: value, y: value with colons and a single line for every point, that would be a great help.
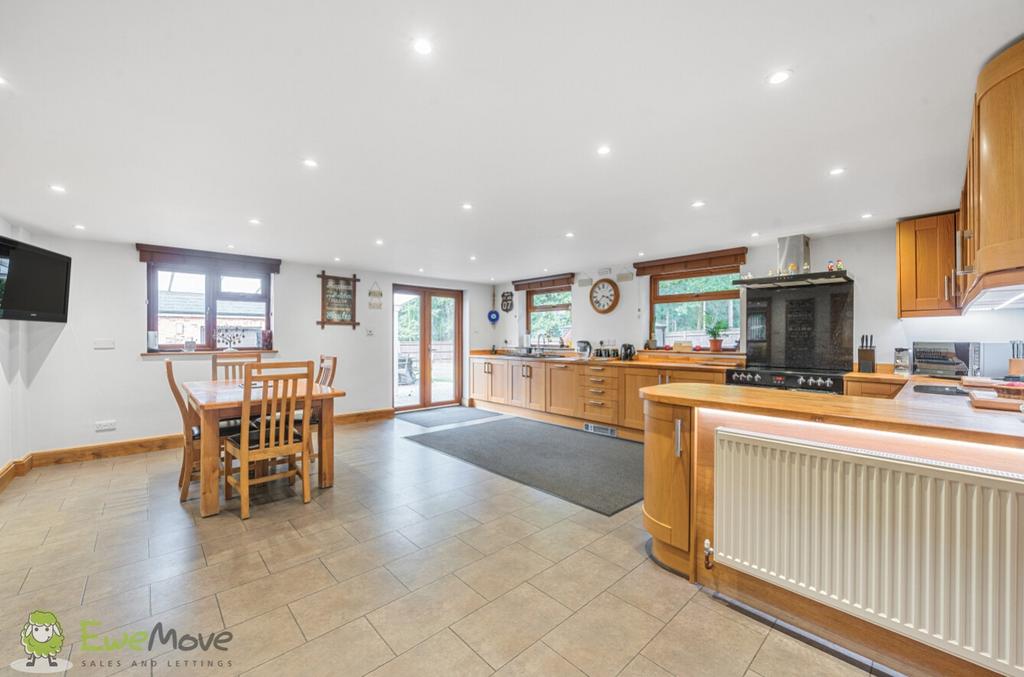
x: 364, y: 416
x: 556, y: 419
x: 139, y: 445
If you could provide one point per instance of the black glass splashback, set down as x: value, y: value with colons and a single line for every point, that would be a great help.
x: 801, y: 327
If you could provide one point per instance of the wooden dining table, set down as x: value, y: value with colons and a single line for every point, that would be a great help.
x: 214, y: 401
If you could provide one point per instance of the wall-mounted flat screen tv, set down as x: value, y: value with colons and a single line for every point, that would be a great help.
x: 34, y: 283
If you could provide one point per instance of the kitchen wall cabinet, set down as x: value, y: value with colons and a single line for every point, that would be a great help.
x: 926, y: 266
x: 668, y: 435
x: 990, y: 232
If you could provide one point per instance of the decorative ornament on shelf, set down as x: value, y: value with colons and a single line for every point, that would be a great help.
x: 230, y: 337
x: 791, y: 269
x: 376, y: 297
x: 831, y: 265
x: 840, y: 265
x: 807, y: 267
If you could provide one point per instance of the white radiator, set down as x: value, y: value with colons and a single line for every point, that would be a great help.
x: 933, y: 551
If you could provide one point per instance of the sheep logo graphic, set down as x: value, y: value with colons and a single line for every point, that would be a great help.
x: 42, y: 638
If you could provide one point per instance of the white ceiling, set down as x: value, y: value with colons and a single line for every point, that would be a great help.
x: 176, y: 122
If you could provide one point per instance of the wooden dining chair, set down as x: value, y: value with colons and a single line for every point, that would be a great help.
x: 190, y: 434
x: 229, y: 364
x: 281, y: 389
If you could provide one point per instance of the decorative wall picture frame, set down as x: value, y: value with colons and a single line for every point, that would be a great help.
x: 376, y: 297
x: 337, y: 300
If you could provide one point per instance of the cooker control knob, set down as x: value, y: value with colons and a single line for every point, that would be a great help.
x: 735, y: 376
x: 800, y: 381
x: 828, y: 383
x: 757, y: 378
x: 821, y: 381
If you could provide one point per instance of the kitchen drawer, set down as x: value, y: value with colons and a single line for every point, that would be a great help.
x: 599, y: 391
x: 600, y: 410
x: 598, y: 380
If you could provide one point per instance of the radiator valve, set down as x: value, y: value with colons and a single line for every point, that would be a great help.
x: 707, y: 554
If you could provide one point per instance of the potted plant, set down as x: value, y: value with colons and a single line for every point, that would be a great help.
x: 714, y: 329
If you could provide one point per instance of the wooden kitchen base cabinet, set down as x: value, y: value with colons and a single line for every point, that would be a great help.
x: 668, y: 437
x: 561, y: 389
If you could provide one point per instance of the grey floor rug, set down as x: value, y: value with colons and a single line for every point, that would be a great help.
x: 431, y: 418
x: 601, y: 473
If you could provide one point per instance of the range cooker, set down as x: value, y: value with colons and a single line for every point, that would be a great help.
x: 817, y: 380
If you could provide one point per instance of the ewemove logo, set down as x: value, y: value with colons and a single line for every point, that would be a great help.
x: 42, y: 638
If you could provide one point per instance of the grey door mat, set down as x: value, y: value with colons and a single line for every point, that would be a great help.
x: 431, y: 418
x: 603, y: 474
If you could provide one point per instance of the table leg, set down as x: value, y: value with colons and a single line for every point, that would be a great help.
x: 209, y: 464
x: 325, y: 442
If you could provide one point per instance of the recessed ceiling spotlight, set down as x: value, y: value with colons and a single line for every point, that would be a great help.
x: 2, y: 81
x: 755, y: 235
x: 378, y: 242
x: 310, y: 163
x: 472, y: 258
x: 778, y: 77
x: 570, y: 234
x: 604, y: 150
x: 467, y: 206
x: 545, y: 270
x: 421, y: 270
x: 640, y: 254
x: 57, y: 188
x: 492, y: 279
x: 255, y: 222
x: 422, y: 46
x: 337, y: 258
x: 866, y: 215
x: 836, y: 171
x: 231, y: 246
x: 697, y: 204
x: 79, y: 226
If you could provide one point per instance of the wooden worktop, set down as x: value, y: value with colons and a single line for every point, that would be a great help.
x: 941, y: 416
x: 645, y: 362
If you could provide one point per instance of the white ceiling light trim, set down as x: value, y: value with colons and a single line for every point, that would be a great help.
x: 604, y: 149
x: 422, y: 46
x: 310, y: 163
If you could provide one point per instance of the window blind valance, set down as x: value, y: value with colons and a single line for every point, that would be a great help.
x: 707, y: 263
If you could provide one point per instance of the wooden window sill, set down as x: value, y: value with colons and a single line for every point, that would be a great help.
x: 181, y: 353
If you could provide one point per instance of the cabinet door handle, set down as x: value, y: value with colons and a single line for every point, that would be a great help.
x: 597, y: 380
x: 597, y: 369
x: 659, y: 379
x: 959, y: 270
x: 597, y: 391
x: 945, y: 286
x: 678, y: 439
x: 600, y: 404
x: 560, y: 366
x: 952, y: 282
x: 668, y: 377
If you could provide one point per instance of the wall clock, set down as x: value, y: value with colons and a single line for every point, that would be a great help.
x: 604, y: 295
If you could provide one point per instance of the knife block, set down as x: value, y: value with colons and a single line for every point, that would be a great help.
x: 1016, y: 367
x: 866, y: 360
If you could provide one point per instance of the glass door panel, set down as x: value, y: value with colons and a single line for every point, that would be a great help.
x: 407, y: 322
x: 442, y: 348
x: 427, y: 347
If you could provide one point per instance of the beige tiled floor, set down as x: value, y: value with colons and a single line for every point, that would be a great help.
x: 413, y: 564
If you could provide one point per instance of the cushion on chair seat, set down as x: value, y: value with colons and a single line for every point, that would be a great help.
x: 314, y: 419
x: 227, y: 428
x: 254, y: 438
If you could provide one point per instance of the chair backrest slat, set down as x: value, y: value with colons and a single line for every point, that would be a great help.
x: 285, y: 387
x: 183, y: 409
x: 327, y: 370
x: 229, y: 365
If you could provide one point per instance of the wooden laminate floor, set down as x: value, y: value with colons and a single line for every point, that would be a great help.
x: 414, y: 563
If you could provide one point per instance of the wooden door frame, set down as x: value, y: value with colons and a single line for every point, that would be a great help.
x: 425, y: 294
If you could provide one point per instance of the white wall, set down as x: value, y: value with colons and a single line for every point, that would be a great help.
x: 56, y: 382
x: 870, y: 257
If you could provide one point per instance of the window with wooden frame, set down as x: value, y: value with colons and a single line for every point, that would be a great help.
x: 549, y: 314
x: 217, y: 300
x: 685, y: 305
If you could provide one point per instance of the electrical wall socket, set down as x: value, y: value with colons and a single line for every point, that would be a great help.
x: 370, y: 332
x: 103, y: 426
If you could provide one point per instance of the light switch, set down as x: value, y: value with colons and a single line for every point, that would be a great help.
x: 103, y: 344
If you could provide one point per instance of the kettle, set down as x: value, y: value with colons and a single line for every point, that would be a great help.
x: 627, y: 352
x: 584, y: 348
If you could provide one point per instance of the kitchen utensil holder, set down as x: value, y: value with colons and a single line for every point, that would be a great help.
x: 866, y: 360
x: 1016, y: 367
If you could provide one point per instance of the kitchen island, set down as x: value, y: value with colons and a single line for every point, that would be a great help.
x: 890, y: 526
